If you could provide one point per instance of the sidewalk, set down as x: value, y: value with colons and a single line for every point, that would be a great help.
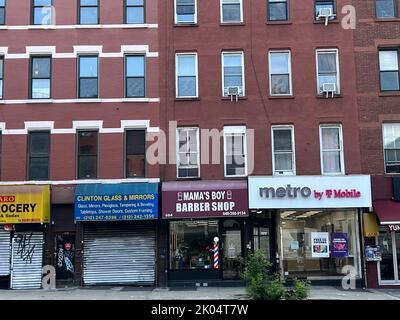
x: 210, y: 293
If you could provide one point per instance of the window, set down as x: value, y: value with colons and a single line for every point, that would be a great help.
x: 235, y: 151
x: 1, y: 76
x: 2, y: 12
x: 135, y: 85
x: 88, y: 77
x: 391, y: 145
x: 88, y: 11
x: 386, y: 8
x: 1, y: 150
x: 324, y: 4
x: 231, y: 11
x: 135, y: 12
x: 389, y: 70
x: 280, y: 81
x: 283, y: 150
x: 42, y: 12
x: 328, y: 69
x: 135, y: 153
x: 186, y: 75
x: 277, y: 10
x: 87, y: 154
x: 233, y: 72
x: 332, y: 160
x: 38, y: 155
x: 188, y: 153
x: 185, y: 11
x: 40, y: 77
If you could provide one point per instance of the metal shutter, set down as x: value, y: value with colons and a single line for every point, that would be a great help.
x: 119, y: 256
x: 27, y: 260
x: 4, y: 253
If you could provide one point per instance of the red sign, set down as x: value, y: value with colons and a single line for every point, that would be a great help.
x: 7, y: 198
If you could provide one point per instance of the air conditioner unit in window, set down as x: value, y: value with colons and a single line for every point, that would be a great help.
x: 325, y: 13
x: 233, y: 92
x: 328, y: 88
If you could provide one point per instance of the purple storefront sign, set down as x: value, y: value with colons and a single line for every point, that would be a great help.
x: 339, y: 245
x: 198, y: 199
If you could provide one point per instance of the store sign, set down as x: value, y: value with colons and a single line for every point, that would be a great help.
x: 320, y: 244
x: 305, y: 192
x: 394, y: 227
x: 205, y: 200
x: 116, y: 202
x: 339, y: 245
x: 373, y: 253
x: 24, y: 204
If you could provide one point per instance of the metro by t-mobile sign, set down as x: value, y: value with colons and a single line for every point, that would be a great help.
x: 302, y: 192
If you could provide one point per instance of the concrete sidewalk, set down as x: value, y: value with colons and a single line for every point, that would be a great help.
x: 210, y: 293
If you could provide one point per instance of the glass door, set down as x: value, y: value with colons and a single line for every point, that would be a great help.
x: 389, y: 267
x: 397, y: 237
x: 232, y: 249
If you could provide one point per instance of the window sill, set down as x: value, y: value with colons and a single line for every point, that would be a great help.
x: 234, y: 99
x: 41, y: 27
x: 88, y: 26
x: 323, y: 96
x: 185, y: 24
x: 223, y: 24
x: 387, y: 19
x: 187, y: 99
x: 36, y: 101
x: 81, y: 100
x: 389, y: 94
x: 278, y: 22
x: 281, y: 97
x: 336, y: 21
x: 188, y: 179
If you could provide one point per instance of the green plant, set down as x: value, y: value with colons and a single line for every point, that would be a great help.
x: 299, y: 291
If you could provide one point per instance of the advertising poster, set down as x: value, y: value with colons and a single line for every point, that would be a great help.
x: 320, y: 244
x: 373, y: 253
x: 339, y: 245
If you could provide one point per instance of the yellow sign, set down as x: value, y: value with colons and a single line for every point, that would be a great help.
x: 371, y: 228
x: 24, y: 204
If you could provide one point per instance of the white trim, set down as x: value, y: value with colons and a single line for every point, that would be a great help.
x: 177, y: 55
x: 322, y: 51
x: 396, y: 274
x: 289, y: 70
x: 342, y: 164
x: 186, y: 129
x: 231, y: 130
x: 385, y: 125
x: 222, y: 14
x: 91, y: 181
x: 185, y: 22
x: 283, y: 127
x: 81, y: 26
x: 223, y: 71
x: 63, y: 101
x: 389, y: 223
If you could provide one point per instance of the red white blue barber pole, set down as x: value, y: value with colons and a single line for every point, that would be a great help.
x: 216, y: 253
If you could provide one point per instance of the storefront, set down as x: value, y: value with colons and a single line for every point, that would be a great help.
x: 119, y: 232
x: 206, y: 230
x: 318, y: 223
x: 24, y: 213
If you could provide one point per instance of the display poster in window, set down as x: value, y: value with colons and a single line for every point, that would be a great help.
x: 320, y: 244
x: 339, y: 245
x: 373, y: 253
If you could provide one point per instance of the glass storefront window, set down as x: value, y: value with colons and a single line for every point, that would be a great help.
x: 389, y: 243
x: 297, y: 228
x: 191, y: 244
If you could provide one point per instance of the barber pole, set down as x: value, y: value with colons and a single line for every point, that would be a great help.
x: 216, y: 255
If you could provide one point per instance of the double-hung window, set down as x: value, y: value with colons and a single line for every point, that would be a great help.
x: 134, y: 11
x: 38, y: 155
x: 135, y: 153
x: 88, y: 11
x: 185, y: 11
x: 283, y: 150
x: 42, y: 12
x: 391, y: 146
x: 324, y: 4
x: 331, y: 141
x: 186, y: 75
x: 2, y: 12
x: 135, y: 81
x: 88, y: 77
x: 328, y: 71
x: 235, y: 151
x: 87, y: 154
x: 389, y: 70
x: 188, y: 153
x: 386, y: 8
x: 231, y: 11
x: 233, y: 72
x: 40, y: 78
x: 280, y: 81
x: 277, y: 10
x: 1, y: 77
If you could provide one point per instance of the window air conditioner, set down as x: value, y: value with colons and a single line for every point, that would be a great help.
x: 233, y: 92
x: 328, y: 88
x: 325, y: 13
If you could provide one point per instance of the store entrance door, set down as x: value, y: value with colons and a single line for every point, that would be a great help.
x: 389, y: 267
x: 65, y: 257
x: 232, y: 251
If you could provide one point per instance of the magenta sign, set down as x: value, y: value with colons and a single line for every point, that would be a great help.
x: 211, y: 199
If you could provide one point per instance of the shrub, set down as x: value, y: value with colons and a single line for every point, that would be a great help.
x: 299, y: 291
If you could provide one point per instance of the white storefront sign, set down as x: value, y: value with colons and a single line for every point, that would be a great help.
x: 305, y: 192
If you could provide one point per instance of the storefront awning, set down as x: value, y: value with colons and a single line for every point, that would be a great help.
x: 388, y: 211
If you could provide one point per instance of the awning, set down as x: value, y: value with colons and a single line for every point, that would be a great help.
x: 388, y: 211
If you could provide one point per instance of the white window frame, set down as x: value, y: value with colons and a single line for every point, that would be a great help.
x: 232, y: 130
x: 342, y: 164
x: 283, y: 127
x: 289, y: 69
x: 223, y: 71
x: 222, y: 13
x: 185, y: 22
x: 198, y: 151
x: 396, y: 280
x: 177, y: 55
x: 322, y: 51
x: 385, y: 125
